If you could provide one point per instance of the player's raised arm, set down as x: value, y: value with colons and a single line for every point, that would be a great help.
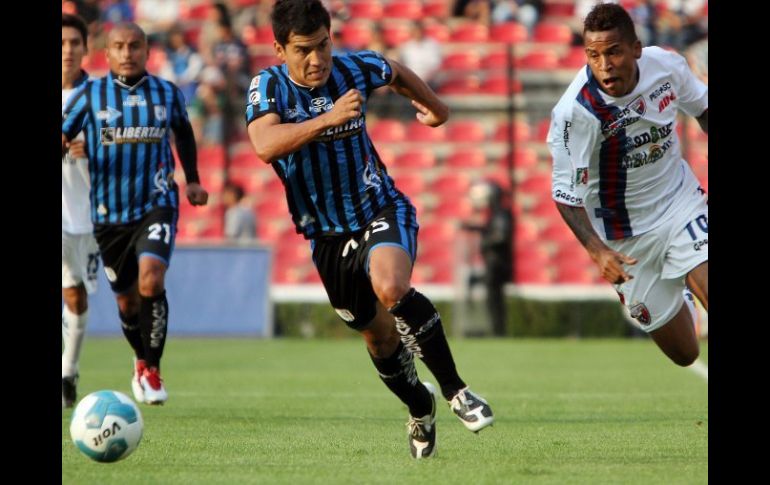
x: 431, y: 110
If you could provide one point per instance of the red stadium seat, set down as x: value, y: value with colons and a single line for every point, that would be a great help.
x: 386, y: 155
x: 466, y: 158
x: 462, y: 61
x: 465, y: 131
x: 499, y: 84
x: 534, y: 274
x: 416, y: 131
x: 542, y: 130
x: 558, y: 232
x: 470, y: 32
x: 443, y: 274
x: 460, y: 86
x: 525, y: 231
x: 265, y: 34
x: 272, y: 208
x: 521, y: 131
x: 559, y: 9
x: 386, y: 130
x: 212, y: 156
x: 273, y: 187
x: 575, y: 274
x: 495, y: 60
x: 509, y: 32
x: 575, y: 58
x: 458, y: 207
x: 437, y: 31
x: 365, y: 9
x: 438, y: 232
x: 523, y: 159
x: 212, y: 179
x: 356, y: 35
x: 552, y: 32
x: 395, y: 33
x: 404, y: 9
x: 415, y: 158
x: 539, y: 59
x: 436, y: 8
x: 452, y: 184
x: 410, y: 183
x: 536, y: 185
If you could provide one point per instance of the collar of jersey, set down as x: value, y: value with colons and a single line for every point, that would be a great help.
x: 126, y: 86
x: 80, y: 80
x: 286, y: 69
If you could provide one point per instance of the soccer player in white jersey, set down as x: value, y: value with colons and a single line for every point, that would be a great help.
x: 621, y: 184
x: 79, y: 252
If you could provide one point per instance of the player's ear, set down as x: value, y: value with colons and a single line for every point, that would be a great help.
x: 637, y: 49
x: 279, y: 51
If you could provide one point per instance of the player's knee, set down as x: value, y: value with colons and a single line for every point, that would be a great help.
x: 391, y: 290
x: 128, y: 305
x: 151, y: 282
x: 382, y: 346
x: 76, y: 299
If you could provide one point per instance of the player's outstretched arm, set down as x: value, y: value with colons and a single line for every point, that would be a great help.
x: 431, y: 110
x: 273, y: 140
x: 703, y: 121
x: 610, y: 262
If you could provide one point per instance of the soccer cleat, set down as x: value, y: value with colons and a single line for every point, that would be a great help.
x: 422, y: 431
x: 154, y: 392
x: 472, y: 410
x: 136, y: 386
x: 69, y: 391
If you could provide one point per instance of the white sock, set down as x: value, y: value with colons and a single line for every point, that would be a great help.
x: 73, y: 329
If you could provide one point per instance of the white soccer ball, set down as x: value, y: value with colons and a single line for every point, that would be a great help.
x: 106, y: 426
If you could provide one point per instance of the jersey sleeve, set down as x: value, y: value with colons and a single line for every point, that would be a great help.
x: 75, y: 115
x: 571, y: 141
x: 262, y: 96
x: 693, y: 93
x: 376, y: 69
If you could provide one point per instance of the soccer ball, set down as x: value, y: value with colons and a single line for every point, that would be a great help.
x: 106, y: 426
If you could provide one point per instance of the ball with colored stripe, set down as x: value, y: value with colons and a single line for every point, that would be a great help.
x: 106, y: 426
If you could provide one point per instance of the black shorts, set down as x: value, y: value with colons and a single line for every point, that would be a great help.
x: 122, y: 245
x: 343, y: 262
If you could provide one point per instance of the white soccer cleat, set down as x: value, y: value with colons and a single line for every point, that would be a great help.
x: 422, y: 431
x: 472, y: 410
x: 154, y: 392
x: 136, y: 386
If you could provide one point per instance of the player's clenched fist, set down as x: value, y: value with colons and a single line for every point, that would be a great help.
x: 347, y: 107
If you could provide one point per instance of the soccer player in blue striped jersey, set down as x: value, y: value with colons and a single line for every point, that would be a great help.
x: 127, y: 118
x: 307, y: 117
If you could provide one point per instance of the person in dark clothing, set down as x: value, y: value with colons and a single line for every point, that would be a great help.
x: 495, y: 225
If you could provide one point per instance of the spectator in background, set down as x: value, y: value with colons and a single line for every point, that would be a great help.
x: 184, y: 65
x: 478, y: 10
x: 207, y: 108
x: 240, y: 222
x: 156, y: 18
x: 698, y: 57
x: 117, y: 11
x: 231, y: 56
x: 525, y: 12
x: 209, y: 34
x: 421, y: 54
x: 494, y: 222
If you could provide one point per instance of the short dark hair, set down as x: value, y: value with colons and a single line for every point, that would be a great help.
x: 303, y: 17
x: 236, y: 188
x: 608, y: 16
x: 76, y: 22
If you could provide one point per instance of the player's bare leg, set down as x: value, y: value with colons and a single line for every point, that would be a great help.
x: 73, y: 329
x: 153, y: 322
x: 677, y: 338
x: 698, y: 282
x: 419, y: 326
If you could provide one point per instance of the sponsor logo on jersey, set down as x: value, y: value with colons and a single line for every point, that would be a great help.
x: 666, y: 101
x: 640, y: 312
x: 254, y: 97
x: 318, y: 105
x: 306, y: 219
x: 567, y: 197
x: 655, y: 134
x: 254, y: 83
x: 699, y: 245
x: 352, y: 127
x: 565, y: 135
x: 624, y: 117
x: 660, y: 90
x: 638, y: 105
x: 581, y: 176
x: 160, y: 113
x: 642, y: 158
x: 109, y: 115
x: 134, y: 100
x: 132, y: 134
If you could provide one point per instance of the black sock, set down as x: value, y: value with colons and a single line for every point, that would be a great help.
x: 399, y: 374
x: 153, y: 320
x: 130, y: 326
x: 419, y: 325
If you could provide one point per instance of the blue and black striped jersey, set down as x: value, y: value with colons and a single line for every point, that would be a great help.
x: 336, y: 184
x: 127, y: 137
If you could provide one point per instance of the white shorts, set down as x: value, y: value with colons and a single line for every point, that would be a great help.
x: 665, y: 255
x: 79, y: 260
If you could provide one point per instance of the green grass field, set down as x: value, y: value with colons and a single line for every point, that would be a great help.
x: 294, y: 411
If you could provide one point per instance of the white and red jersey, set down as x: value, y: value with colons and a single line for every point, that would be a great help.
x: 75, y: 183
x: 620, y: 158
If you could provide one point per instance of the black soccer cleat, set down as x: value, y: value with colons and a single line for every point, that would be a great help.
x: 69, y: 391
x: 422, y: 431
x: 472, y: 410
